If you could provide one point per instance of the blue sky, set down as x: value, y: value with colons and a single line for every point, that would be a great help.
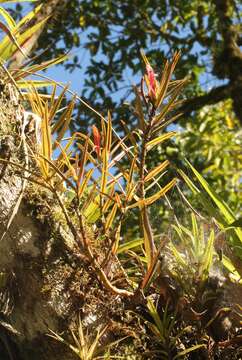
x: 77, y: 78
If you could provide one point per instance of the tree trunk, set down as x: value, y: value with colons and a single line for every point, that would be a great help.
x: 38, y: 289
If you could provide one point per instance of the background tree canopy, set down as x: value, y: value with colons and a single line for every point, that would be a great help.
x: 207, y: 33
x: 113, y: 33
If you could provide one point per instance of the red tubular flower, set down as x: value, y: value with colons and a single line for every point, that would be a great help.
x: 97, y: 139
x: 152, y: 81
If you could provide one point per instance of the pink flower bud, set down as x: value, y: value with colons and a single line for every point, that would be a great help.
x: 152, y: 81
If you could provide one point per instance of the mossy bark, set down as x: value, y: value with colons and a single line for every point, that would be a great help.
x: 36, y: 267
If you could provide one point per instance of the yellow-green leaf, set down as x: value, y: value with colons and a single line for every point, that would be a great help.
x: 190, y: 349
x: 8, y: 48
x: 168, y: 70
x: 155, y: 197
x: 156, y: 170
x: 64, y: 122
x: 84, y: 183
x: 8, y: 18
x: 160, y: 117
x: 111, y: 217
x: 26, y: 84
x: 160, y: 139
x: 130, y: 245
x: 207, y: 256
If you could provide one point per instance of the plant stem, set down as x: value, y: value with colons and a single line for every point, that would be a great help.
x: 150, y: 246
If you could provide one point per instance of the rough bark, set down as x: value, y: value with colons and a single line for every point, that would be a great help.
x: 227, y: 64
x: 35, y: 270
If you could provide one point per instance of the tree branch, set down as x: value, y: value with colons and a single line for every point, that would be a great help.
x: 212, y: 97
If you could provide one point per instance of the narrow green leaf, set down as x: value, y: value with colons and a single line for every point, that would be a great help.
x: 160, y: 193
x: 160, y: 139
x: 22, y: 73
x: 26, y: 84
x: 177, y: 255
x: 9, y: 49
x: 190, y: 349
x: 129, y: 245
x: 225, y: 210
x: 207, y: 257
x: 85, y: 181
x: 8, y: 18
x: 221, y: 205
x: 111, y: 217
x: 9, y: 40
x: 160, y: 117
x: 195, y: 231
x: 235, y: 276
x: 156, y: 170
x: 155, y: 316
x: 6, y: 41
x: 92, y: 211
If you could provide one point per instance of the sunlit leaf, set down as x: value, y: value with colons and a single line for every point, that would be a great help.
x: 55, y: 105
x: 110, y: 200
x: 85, y: 181
x: 156, y: 170
x: 160, y: 117
x: 207, y: 257
x: 83, y: 162
x: 64, y: 122
x: 225, y: 210
x: 111, y: 216
x: 166, y: 76
x: 29, y: 84
x: 154, y: 313
x: 7, y: 48
x: 129, y: 245
x: 22, y: 73
x: 179, y: 258
x: 234, y: 275
x: 187, y: 351
x: 160, y: 139
x: 8, y: 18
x: 236, y: 223
x: 160, y: 193
x: 9, y: 40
